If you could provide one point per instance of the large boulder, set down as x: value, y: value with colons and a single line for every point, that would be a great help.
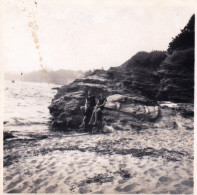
x: 121, y: 103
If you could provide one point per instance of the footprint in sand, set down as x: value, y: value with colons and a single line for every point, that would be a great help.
x: 44, y: 184
x: 14, y: 174
x: 53, y: 167
x: 8, y: 178
x: 189, y: 183
x: 81, y: 166
x: 52, y: 164
x: 122, y: 166
x: 67, y: 180
x: 99, y: 192
x: 20, y: 189
x: 52, y: 172
x: 38, y: 181
x: 180, y: 187
x: 38, y: 167
x: 71, y: 172
x: 82, y: 191
x: 33, y: 161
x: 161, y: 192
x: 14, y: 191
x: 152, y: 172
x: 51, y: 189
x: 122, y: 181
x: 177, y: 191
x: 71, y: 165
x: 27, y: 173
x: 39, y: 170
x: 13, y: 184
x: 60, y: 177
x: 163, y: 180
x: 127, y: 188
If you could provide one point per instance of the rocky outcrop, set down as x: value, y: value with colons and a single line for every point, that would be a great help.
x: 121, y: 104
x: 7, y: 135
x: 132, y: 91
x: 135, y: 89
x: 158, y: 75
x: 140, y: 72
x: 176, y: 74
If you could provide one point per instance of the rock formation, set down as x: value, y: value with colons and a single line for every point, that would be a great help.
x: 141, y: 72
x: 176, y: 74
x: 131, y: 90
x: 134, y: 89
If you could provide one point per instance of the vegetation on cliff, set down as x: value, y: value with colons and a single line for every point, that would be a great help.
x: 185, y: 39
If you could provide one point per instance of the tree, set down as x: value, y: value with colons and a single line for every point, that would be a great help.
x: 185, y: 39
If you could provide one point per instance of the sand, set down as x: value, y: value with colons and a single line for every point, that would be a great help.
x: 149, y: 161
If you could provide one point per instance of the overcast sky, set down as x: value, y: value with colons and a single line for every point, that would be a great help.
x: 83, y: 35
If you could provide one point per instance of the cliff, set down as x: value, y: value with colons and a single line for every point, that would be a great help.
x: 176, y: 74
x: 141, y: 72
x: 132, y: 91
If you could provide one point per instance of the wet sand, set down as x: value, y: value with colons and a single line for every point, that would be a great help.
x: 148, y: 161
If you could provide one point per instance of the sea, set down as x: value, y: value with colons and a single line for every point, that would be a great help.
x: 26, y: 107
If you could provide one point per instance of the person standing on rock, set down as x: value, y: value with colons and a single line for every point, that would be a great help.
x: 89, y: 107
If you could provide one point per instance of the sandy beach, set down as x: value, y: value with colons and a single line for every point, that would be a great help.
x: 119, y: 162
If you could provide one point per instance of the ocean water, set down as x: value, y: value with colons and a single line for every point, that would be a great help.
x: 26, y: 107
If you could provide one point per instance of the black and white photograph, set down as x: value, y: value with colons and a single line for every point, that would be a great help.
x: 98, y: 96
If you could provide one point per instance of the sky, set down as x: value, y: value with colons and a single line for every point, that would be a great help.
x: 83, y: 35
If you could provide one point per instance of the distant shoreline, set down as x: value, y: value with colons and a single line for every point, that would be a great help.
x: 61, y: 77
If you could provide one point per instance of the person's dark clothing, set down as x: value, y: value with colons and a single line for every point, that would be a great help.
x: 88, y: 112
x: 91, y: 102
x: 101, y: 101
